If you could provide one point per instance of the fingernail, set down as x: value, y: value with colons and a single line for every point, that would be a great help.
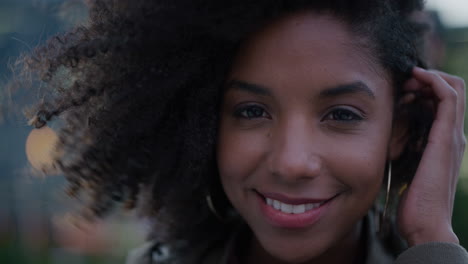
x: 408, y: 98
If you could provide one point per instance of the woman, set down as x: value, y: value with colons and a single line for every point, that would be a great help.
x: 259, y: 132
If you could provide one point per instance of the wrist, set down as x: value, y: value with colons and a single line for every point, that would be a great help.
x: 447, y: 236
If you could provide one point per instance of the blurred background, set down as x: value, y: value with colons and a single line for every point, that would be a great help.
x: 35, y: 221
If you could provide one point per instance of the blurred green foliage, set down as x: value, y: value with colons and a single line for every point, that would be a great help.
x: 457, y: 64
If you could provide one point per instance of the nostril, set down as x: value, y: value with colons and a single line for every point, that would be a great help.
x: 300, y: 168
x: 294, y: 157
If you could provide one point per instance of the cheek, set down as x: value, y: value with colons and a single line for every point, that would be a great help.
x: 239, y: 153
x: 360, y: 164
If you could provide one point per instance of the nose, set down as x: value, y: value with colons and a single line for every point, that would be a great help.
x: 295, y: 152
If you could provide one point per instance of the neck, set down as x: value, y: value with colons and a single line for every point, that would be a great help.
x: 350, y: 250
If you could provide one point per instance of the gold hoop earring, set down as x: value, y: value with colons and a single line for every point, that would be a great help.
x: 382, y: 219
x: 389, y: 183
x: 210, y: 204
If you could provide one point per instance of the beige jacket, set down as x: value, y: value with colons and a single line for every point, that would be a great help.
x: 218, y: 252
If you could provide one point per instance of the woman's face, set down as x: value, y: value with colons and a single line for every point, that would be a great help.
x: 304, y: 135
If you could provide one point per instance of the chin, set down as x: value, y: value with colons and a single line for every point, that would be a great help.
x: 292, y: 257
x: 293, y: 252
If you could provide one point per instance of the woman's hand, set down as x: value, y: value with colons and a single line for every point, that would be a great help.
x: 425, y: 211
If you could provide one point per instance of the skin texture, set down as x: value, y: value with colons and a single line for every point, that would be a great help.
x: 425, y: 213
x: 297, y: 138
x: 280, y: 134
x: 140, y: 116
x: 140, y: 110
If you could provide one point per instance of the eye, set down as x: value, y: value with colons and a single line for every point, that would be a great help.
x: 343, y: 115
x: 251, y: 112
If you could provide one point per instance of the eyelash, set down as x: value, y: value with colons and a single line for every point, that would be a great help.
x: 255, y: 111
x: 352, y: 116
x: 243, y: 112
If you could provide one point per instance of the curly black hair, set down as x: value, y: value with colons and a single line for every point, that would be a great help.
x: 138, y: 90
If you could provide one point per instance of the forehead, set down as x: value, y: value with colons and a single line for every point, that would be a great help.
x: 311, y: 47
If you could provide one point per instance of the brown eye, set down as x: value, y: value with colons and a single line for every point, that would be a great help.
x: 343, y: 115
x: 251, y: 112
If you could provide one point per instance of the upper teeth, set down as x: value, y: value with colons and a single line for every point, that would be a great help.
x: 291, y: 209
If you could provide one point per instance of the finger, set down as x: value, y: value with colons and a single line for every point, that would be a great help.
x: 455, y: 81
x: 407, y: 98
x: 447, y: 96
x: 458, y: 138
x: 413, y: 85
x: 459, y: 85
x: 419, y: 88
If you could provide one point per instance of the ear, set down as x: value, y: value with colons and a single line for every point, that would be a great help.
x: 399, y: 137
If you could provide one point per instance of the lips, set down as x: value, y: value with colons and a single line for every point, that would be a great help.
x: 291, y: 208
x: 286, y: 212
x: 288, y: 200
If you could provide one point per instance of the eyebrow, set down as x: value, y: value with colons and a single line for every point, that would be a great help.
x: 248, y: 87
x: 349, y: 88
x: 343, y: 89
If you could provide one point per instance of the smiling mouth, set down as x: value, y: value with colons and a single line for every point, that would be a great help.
x: 292, y: 209
x: 285, y: 212
x: 290, y: 205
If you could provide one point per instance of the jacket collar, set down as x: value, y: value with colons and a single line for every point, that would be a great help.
x: 375, y: 250
x: 218, y: 253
